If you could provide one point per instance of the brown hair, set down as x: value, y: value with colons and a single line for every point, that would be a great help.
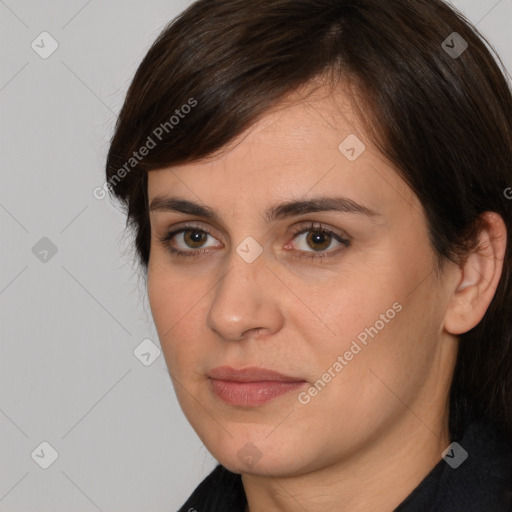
x: 444, y: 120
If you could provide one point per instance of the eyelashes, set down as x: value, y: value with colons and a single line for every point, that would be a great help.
x: 319, y: 234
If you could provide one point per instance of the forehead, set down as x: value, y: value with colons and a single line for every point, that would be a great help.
x: 301, y: 122
x: 314, y: 118
x: 292, y: 151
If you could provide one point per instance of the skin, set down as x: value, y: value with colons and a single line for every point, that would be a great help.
x: 369, y: 437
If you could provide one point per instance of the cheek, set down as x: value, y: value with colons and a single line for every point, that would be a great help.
x: 373, y: 321
x: 373, y: 379
x: 175, y: 305
x: 358, y: 305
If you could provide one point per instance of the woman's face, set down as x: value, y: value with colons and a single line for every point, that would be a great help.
x: 354, y: 314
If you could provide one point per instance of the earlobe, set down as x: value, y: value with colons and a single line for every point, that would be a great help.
x: 478, y: 277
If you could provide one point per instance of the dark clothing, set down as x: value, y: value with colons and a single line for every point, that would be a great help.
x: 482, y: 483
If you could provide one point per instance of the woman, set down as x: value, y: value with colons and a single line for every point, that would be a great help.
x: 319, y: 192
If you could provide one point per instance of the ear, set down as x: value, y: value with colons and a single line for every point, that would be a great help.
x: 479, y: 277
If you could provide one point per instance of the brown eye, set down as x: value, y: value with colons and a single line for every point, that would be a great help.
x: 194, y: 238
x: 316, y: 239
x: 187, y: 241
x: 320, y: 239
x: 313, y: 240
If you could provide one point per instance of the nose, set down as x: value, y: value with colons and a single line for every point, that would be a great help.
x: 247, y: 301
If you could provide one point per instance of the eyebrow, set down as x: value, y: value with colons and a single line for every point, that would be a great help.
x: 279, y: 211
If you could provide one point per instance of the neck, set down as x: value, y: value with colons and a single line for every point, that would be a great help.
x: 375, y: 480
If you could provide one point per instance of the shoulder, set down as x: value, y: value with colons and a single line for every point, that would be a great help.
x: 484, y: 479
x: 221, y: 490
x: 474, y: 475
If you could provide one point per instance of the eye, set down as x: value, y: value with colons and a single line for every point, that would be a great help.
x: 190, y: 241
x: 187, y: 238
x: 318, y: 238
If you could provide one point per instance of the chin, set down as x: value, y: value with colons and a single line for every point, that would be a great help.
x: 276, y: 455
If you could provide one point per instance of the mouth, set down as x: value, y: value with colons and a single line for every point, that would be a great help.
x: 250, y: 387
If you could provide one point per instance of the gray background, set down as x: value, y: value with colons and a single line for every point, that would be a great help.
x: 70, y: 321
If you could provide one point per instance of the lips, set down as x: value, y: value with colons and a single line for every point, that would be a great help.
x: 251, y: 374
x: 250, y: 387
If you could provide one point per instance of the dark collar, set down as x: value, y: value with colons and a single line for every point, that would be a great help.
x: 482, y: 483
